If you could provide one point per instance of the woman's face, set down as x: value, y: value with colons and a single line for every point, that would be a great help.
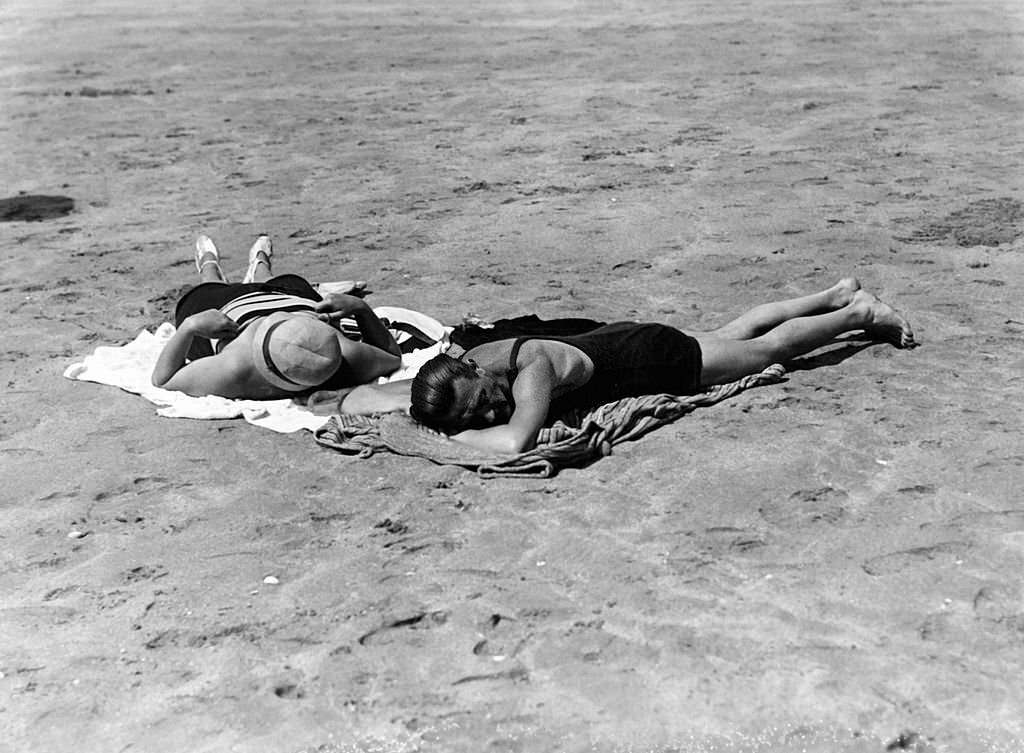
x: 480, y: 401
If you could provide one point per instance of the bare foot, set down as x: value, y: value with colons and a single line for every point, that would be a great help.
x: 841, y: 294
x: 884, y: 322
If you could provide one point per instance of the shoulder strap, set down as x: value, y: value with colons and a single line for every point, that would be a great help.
x: 513, y: 356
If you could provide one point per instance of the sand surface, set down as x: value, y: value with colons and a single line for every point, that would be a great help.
x: 830, y: 564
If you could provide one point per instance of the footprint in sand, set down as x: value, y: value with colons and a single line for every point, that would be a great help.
x: 826, y: 505
x: 943, y: 553
x: 143, y: 573
x: 722, y: 541
x: 1000, y: 603
x: 515, y: 674
x: 289, y: 690
x: 502, y: 638
x: 140, y: 485
x: 418, y: 621
x: 996, y: 520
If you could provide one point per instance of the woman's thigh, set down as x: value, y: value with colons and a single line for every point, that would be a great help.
x: 725, y: 360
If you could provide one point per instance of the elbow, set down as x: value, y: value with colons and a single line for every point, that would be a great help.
x: 514, y: 440
x: 516, y: 445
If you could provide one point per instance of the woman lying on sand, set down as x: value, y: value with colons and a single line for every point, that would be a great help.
x: 500, y: 394
x: 268, y: 337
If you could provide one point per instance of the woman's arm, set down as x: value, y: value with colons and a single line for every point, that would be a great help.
x: 222, y: 374
x: 363, y: 363
x: 377, y: 398
x: 338, y: 306
x: 210, y: 324
x: 532, y: 392
x: 362, y: 400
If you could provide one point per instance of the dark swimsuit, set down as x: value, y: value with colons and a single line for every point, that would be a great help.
x: 629, y: 359
x: 216, y: 295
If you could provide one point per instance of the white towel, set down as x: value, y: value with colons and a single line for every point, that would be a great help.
x: 130, y: 367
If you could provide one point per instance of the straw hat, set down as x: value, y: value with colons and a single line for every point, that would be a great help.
x: 295, y: 351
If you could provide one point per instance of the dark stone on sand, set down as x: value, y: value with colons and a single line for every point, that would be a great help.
x: 911, y: 741
x: 987, y: 222
x: 34, y: 207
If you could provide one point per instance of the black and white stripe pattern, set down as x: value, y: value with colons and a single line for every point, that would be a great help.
x: 246, y: 308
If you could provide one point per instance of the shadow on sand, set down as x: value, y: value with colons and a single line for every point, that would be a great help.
x: 834, y: 357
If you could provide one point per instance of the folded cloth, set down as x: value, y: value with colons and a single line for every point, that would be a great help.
x: 130, y: 368
x: 573, y: 440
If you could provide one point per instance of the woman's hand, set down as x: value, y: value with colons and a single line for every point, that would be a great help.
x: 337, y: 306
x: 324, y: 402
x: 212, y: 324
x: 204, y: 376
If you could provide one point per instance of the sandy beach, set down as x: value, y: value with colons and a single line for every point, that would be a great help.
x: 831, y: 564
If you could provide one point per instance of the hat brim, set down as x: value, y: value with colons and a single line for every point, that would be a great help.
x: 263, y: 358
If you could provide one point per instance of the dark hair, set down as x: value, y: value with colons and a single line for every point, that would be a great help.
x: 433, y: 392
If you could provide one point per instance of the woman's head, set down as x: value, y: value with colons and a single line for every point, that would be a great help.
x: 451, y: 395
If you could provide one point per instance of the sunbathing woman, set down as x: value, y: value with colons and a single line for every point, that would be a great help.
x: 499, y: 395
x: 268, y: 337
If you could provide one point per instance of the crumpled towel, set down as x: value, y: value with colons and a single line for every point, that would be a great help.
x: 130, y: 367
x: 573, y: 440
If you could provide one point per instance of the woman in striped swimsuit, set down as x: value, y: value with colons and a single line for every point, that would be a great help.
x: 222, y: 343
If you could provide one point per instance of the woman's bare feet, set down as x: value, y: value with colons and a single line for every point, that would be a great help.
x: 841, y: 294
x: 883, y: 322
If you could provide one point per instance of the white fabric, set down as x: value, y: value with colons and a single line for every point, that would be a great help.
x: 430, y: 327
x: 130, y: 367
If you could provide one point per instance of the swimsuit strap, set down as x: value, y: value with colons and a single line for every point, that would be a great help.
x: 513, y: 356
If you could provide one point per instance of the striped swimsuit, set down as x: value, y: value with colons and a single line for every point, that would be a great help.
x: 245, y: 309
x: 244, y: 302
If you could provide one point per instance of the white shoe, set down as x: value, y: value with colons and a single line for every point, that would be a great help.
x: 205, y: 248
x: 262, y: 251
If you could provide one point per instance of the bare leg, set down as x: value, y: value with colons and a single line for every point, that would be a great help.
x: 208, y: 261
x: 767, y: 316
x: 725, y: 359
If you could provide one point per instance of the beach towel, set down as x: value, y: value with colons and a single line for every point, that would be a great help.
x: 130, y: 366
x: 574, y: 440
